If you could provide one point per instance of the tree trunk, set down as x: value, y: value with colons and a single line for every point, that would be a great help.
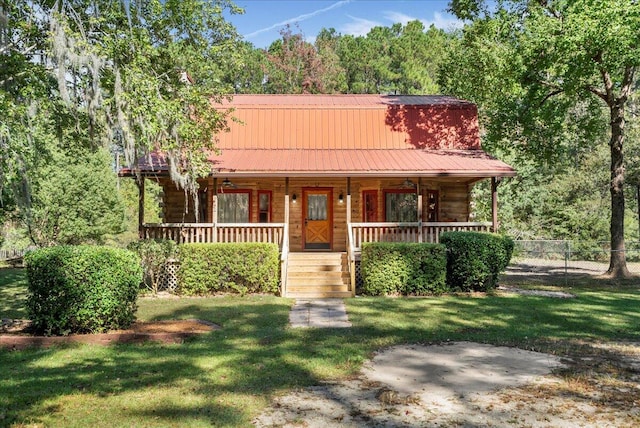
x: 617, y: 264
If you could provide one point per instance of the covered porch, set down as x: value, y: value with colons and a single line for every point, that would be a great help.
x: 319, y: 216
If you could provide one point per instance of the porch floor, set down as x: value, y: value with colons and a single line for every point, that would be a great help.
x: 317, y: 275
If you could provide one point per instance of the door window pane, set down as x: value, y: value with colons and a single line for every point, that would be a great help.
x: 233, y: 207
x: 317, y: 207
x: 401, y: 207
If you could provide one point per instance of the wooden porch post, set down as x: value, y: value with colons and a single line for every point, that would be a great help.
x: 348, y: 200
x: 419, y: 191
x: 494, y: 203
x: 140, y: 183
x: 210, y: 192
x: 286, y: 200
x: 214, y: 210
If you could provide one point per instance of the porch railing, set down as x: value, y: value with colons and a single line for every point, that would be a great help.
x: 183, y: 233
x: 360, y: 233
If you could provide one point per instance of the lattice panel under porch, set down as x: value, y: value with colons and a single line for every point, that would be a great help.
x: 359, y: 282
x: 169, y: 279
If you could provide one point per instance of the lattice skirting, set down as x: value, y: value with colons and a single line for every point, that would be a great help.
x: 358, y: 278
x: 168, y: 278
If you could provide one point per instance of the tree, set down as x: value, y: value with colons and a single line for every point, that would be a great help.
x: 556, y: 59
x: 94, y: 74
x: 416, y: 55
x: 294, y: 66
x: 77, y: 202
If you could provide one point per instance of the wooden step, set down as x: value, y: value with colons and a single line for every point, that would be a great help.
x: 312, y: 282
x: 334, y: 274
x: 319, y: 288
x: 319, y: 295
x: 318, y: 275
x: 314, y: 268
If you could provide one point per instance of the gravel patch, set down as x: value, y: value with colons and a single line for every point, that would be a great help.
x: 460, y: 384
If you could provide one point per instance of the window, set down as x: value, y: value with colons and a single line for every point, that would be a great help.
x: 264, y: 206
x: 370, y: 206
x: 433, y: 205
x: 234, y: 206
x: 202, y: 205
x: 400, y: 206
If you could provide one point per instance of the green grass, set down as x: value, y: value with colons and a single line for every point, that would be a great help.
x: 13, y: 293
x: 226, y: 377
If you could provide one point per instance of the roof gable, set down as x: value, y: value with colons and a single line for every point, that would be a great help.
x: 351, y: 122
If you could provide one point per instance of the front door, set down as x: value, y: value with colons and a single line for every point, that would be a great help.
x: 316, y: 222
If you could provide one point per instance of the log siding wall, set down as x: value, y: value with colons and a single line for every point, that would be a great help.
x: 454, y: 201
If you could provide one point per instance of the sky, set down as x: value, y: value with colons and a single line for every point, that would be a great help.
x: 263, y: 19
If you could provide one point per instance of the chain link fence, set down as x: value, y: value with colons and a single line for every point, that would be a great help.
x: 559, y: 262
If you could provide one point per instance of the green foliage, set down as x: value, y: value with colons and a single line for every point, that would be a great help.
x: 238, y: 268
x: 75, y: 201
x: 402, y: 268
x: 154, y: 254
x: 77, y: 77
x: 475, y: 259
x: 552, y: 78
x: 82, y: 289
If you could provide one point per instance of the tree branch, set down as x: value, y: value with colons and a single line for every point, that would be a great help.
x: 549, y: 95
x: 598, y: 93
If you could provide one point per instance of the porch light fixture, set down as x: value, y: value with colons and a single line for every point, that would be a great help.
x: 294, y: 198
x: 227, y: 183
x: 341, y: 198
x: 408, y: 184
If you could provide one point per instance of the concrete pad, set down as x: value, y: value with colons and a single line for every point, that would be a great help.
x: 448, y: 376
x: 319, y: 313
x: 451, y: 385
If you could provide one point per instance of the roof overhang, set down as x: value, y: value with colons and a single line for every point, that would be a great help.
x: 330, y: 163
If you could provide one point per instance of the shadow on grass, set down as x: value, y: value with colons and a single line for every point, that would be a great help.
x: 226, y: 377
x: 13, y: 293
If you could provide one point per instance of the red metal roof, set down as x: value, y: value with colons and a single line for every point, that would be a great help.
x: 351, y: 122
x: 357, y: 163
x: 350, y: 135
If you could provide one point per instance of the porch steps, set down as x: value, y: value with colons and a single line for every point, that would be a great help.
x: 317, y: 275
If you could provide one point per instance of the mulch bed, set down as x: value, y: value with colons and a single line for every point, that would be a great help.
x: 15, y: 334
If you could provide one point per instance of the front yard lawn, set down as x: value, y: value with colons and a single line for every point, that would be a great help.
x: 226, y: 377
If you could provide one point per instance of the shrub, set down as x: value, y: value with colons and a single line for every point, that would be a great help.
x: 240, y: 268
x: 154, y: 254
x: 474, y: 259
x: 82, y: 289
x: 402, y: 268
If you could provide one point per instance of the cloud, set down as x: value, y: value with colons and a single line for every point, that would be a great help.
x: 358, y: 26
x: 442, y: 21
x: 298, y: 18
x: 400, y: 17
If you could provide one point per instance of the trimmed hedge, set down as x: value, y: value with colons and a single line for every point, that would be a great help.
x: 403, y: 268
x: 240, y: 268
x: 154, y: 255
x: 82, y: 289
x: 475, y: 259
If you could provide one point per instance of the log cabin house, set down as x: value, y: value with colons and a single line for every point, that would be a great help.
x: 321, y: 174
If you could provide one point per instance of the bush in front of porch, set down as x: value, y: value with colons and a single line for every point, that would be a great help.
x: 222, y: 267
x: 475, y: 259
x: 403, y: 268
x: 82, y: 289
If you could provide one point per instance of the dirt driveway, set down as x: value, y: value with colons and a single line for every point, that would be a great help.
x: 467, y: 384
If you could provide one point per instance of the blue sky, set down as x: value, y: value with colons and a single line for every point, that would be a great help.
x: 263, y: 19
